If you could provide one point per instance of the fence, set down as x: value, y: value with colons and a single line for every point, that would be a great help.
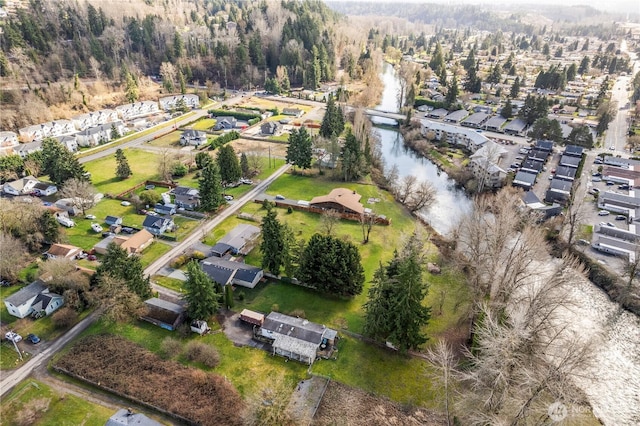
x: 125, y: 194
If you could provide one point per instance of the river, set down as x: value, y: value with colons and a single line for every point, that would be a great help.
x: 451, y: 202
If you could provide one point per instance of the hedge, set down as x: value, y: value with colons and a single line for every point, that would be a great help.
x: 235, y: 114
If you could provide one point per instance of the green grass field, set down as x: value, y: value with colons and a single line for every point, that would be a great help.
x: 144, y: 166
x: 33, y: 402
x: 171, y: 140
x: 204, y: 124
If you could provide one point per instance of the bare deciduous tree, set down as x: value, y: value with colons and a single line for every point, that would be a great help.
x: 165, y: 162
x: 81, y: 193
x: 12, y: 257
x: 445, y: 363
x: 61, y: 276
x: 422, y: 197
x: 367, y: 221
x: 116, y: 302
x: 328, y: 221
x: 574, y: 214
x: 270, y: 405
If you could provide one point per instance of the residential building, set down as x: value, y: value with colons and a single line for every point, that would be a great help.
x: 297, y: 338
x: 169, y: 103
x: 476, y: 120
x: 165, y: 209
x: 515, y: 127
x: 271, y: 128
x: 186, y: 198
x: 225, y: 123
x: 484, y: 165
x: 44, y: 189
x: 33, y: 299
x: 20, y: 186
x: 69, y: 141
x: 158, y: 225
x: 137, y: 109
x: 295, y: 112
x: 495, y: 123
x: 469, y: 139
x: 63, y: 251
x: 341, y: 200
x: 228, y: 272
x: 566, y: 173
x: 570, y: 161
x: 456, y: 117
x: 193, y: 138
x: 135, y: 243
x: 524, y: 179
x: 95, y: 118
x: 100, y: 134
x: 164, y: 314
x: 437, y: 114
x: 25, y: 149
x: 237, y: 241
x: 8, y: 139
x: 48, y: 129
x: 113, y: 220
x: 559, y: 191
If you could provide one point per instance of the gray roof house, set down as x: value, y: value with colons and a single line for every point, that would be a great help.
x: 574, y: 150
x: 239, y: 236
x: 113, y: 220
x: 271, y: 128
x: 226, y: 272
x: 225, y: 123
x: 566, y: 173
x: 158, y: 225
x: 99, y: 134
x: 476, y: 120
x: 33, y: 298
x: 126, y: 417
x: 186, y: 197
x: 193, y: 138
x: 438, y: 114
x: 296, y: 112
x: 559, y: 191
x: 297, y: 338
x: 495, y: 123
x: 570, y: 161
x: 524, y: 180
x: 456, y: 116
x: 515, y: 127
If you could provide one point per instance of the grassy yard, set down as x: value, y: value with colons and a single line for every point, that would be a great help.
x: 170, y: 140
x: 171, y: 283
x: 33, y: 402
x: 204, y: 124
x: 154, y: 251
x: 144, y: 166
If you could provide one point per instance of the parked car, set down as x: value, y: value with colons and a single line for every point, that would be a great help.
x: 603, y: 213
x: 621, y: 217
x: 246, y: 181
x: 598, y: 161
x: 5, y: 283
x: 519, y: 157
x: 106, y: 234
x: 280, y: 197
x: 150, y: 213
x: 82, y: 255
x: 90, y: 217
x: 92, y: 257
x: 125, y: 203
x: 598, y: 174
x: 612, y: 148
x: 596, y: 179
x: 228, y: 197
x: 33, y: 338
x: 624, y: 186
x: 96, y: 227
x: 610, y: 183
x: 583, y: 242
x: 128, y: 230
x: 12, y: 336
x: 611, y: 225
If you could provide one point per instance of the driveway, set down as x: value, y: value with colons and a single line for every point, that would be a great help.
x: 241, y: 333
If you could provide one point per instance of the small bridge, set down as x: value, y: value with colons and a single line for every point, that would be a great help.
x: 385, y: 114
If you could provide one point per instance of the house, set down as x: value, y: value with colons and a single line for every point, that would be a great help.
x: 295, y: 112
x: 136, y: 243
x: 225, y: 123
x: 516, y: 127
x: 68, y: 206
x: 438, y: 114
x: 20, y: 186
x: 102, y: 246
x: 100, y: 134
x: 544, y: 145
x: 476, y: 120
x: 524, y: 180
x: 456, y: 117
x: 8, y: 139
x: 69, y: 141
x: 66, y: 251
x: 559, y: 191
x: 226, y: 272
x: 91, y: 119
x: 186, y: 197
x: 163, y: 313
x: 25, y: 149
x: 538, y: 155
x: 45, y: 189
x: 297, y: 338
x: 494, y: 124
x: 158, y: 225
x: 165, y: 209
x: 113, y: 220
x: 34, y: 298
x: 126, y: 417
x: 137, y: 109
x: 237, y: 239
x: 193, y: 138
x: 48, y: 129
x: 574, y: 151
x: 271, y: 128
x: 341, y: 200
x: 532, y: 165
x: 531, y: 201
x: 169, y: 103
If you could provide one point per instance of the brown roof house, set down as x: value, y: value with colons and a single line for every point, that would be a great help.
x: 340, y: 199
x: 66, y: 251
x: 134, y: 244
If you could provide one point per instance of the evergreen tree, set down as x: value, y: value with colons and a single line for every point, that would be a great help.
x: 507, y: 110
x: 182, y: 82
x: 351, y: 158
x: 203, y: 159
x: 470, y: 62
x: 515, y: 88
x: 395, y: 310
x: 333, y: 120
x: 496, y: 74
x: 299, y: 150
x: 581, y: 136
x: 244, y: 165
x: 123, y: 170
x: 572, y: 71
x: 473, y: 83
x: 543, y: 128
x: 228, y: 165
x: 118, y: 264
x: 48, y: 227
x: 60, y: 163
x: 273, y: 244
x: 201, y: 293
x: 131, y: 89
x: 115, y: 134
x: 210, y: 187
x: 452, y: 93
x: 332, y: 266
x: 584, y: 65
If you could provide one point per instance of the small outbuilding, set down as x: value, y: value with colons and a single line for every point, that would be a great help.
x: 163, y: 313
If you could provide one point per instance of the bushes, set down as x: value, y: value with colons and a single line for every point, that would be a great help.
x: 179, y: 261
x: 64, y: 317
x: 200, y: 352
x: 221, y: 140
x: 238, y: 115
x: 170, y: 347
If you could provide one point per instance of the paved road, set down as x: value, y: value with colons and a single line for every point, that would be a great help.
x: 9, y: 379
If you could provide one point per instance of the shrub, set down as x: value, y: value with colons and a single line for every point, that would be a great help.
x: 179, y: 261
x: 64, y: 317
x: 179, y: 170
x: 275, y: 307
x: 241, y: 295
x: 298, y: 313
x: 150, y: 197
x: 170, y: 347
x: 289, y: 210
x: 201, y: 352
x: 198, y: 255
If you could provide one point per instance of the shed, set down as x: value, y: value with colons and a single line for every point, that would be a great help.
x: 113, y: 220
x: 126, y: 417
x: 163, y: 313
x: 252, y: 317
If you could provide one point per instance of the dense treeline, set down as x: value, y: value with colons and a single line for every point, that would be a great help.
x: 234, y: 44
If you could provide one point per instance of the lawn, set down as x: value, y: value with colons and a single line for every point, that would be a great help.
x: 154, y: 251
x: 170, y: 283
x: 144, y: 166
x: 170, y: 140
x: 33, y: 402
x: 204, y: 124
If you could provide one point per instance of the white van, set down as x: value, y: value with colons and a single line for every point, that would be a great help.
x: 65, y: 221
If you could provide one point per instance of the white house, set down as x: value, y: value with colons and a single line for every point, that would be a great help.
x: 99, y: 134
x: 48, y: 129
x: 193, y: 137
x: 20, y: 186
x: 8, y: 139
x: 137, y: 109
x: 69, y: 142
x: 33, y: 299
x: 95, y: 118
x: 25, y: 149
x: 484, y: 165
x: 45, y: 189
x: 170, y: 102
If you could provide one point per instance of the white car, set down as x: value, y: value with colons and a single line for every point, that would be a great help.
x: 96, y: 227
x: 13, y: 336
x: 90, y: 217
x: 612, y: 148
x: 228, y: 197
x: 125, y: 203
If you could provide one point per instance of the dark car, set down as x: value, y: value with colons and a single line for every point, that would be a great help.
x: 33, y: 338
x: 128, y: 230
x: 624, y: 186
x: 621, y: 217
x: 92, y: 257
